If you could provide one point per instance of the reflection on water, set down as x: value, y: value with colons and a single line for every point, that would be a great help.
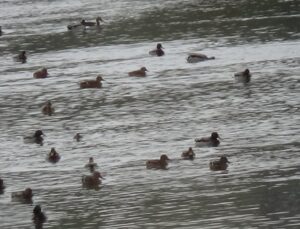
x: 131, y: 120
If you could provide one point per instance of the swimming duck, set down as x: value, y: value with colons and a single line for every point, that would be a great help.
x: 25, y: 195
x: 39, y: 217
x: 158, y: 51
x: 47, y: 109
x: 35, y: 138
x: 243, y: 77
x: 188, y: 155
x: 21, y: 57
x: 158, y: 164
x: 86, y: 23
x: 92, y: 83
x: 92, y: 180
x: 138, y: 73
x: 91, y: 165
x: 77, y: 137
x: 220, y: 164
x: 2, y: 187
x: 40, y: 74
x: 53, y: 156
x: 194, y: 58
x: 208, y: 141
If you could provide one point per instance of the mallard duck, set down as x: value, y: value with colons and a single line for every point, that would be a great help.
x: 158, y: 164
x: 38, y: 218
x: 92, y: 83
x: 35, y: 138
x: 92, y: 180
x: 188, y: 155
x: 25, y: 195
x: 77, y: 137
x: 47, y: 109
x: 21, y: 57
x: 91, y: 165
x: 220, y: 164
x: 138, y: 73
x: 194, y: 58
x: 158, y: 51
x: 97, y: 23
x: 53, y: 156
x: 243, y: 77
x: 40, y: 74
x: 208, y: 141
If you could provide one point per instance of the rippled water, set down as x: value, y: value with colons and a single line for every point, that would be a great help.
x: 132, y: 119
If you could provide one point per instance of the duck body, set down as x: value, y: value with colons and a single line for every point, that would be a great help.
x: 188, y: 155
x: 40, y: 74
x: 220, y: 164
x: 39, y: 218
x: 92, y: 180
x: 195, y: 58
x: 24, y: 196
x: 211, y: 141
x: 89, y: 24
x: 158, y: 51
x: 139, y: 73
x: 53, y: 156
x: 243, y: 77
x: 47, y: 109
x: 158, y: 164
x: 92, y: 83
x: 35, y: 138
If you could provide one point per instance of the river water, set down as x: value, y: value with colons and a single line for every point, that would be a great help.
x: 131, y: 120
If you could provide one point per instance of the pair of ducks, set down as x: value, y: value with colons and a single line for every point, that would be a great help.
x: 84, y: 24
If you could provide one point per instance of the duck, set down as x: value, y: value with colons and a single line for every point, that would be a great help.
x: 158, y: 164
x: 53, y: 156
x: 92, y: 180
x: 92, y: 83
x: 194, y: 58
x: 188, y: 155
x: 77, y: 137
x: 40, y: 74
x: 243, y: 77
x: 21, y: 57
x: 47, y: 109
x: 91, y: 165
x: 139, y: 73
x: 25, y: 196
x: 35, y: 138
x: 38, y: 218
x: 220, y: 164
x: 158, y: 51
x: 211, y: 141
x: 97, y: 23
x: 2, y: 187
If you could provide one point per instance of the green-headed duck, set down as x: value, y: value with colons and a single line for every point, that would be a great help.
x: 92, y: 180
x: 91, y: 165
x: 188, y: 155
x: 47, y: 109
x: 53, y: 156
x: 40, y: 74
x: 24, y: 196
x: 139, y: 73
x: 243, y: 77
x: 77, y: 137
x: 211, y: 141
x: 38, y: 218
x: 220, y: 164
x: 35, y: 138
x: 87, y: 23
x: 158, y: 51
x: 158, y: 164
x: 92, y: 83
x: 194, y: 58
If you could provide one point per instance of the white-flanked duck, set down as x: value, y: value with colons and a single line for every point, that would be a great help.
x: 220, y: 164
x: 198, y: 57
x: 34, y: 138
x: 139, y: 73
x: 92, y: 83
x: 211, y: 141
x: 243, y: 77
x: 188, y: 154
x: 158, y: 164
x: 158, y: 51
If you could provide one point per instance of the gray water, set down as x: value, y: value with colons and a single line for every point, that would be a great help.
x: 131, y: 120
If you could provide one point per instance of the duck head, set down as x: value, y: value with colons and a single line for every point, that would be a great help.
x: 37, y: 210
x: 99, y: 78
x: 38, y: 133
x: 144, y: 69
x: 164, y: 157
x: 159, y: 46
x: 215, y: 135
x: 224, y: 160
x: 91, y: 160
x: 99, y: 19
x: 28, y: 193
x: 247, y: 72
